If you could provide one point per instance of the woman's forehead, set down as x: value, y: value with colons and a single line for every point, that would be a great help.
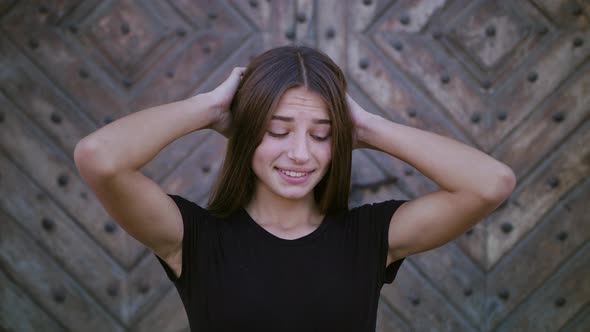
x: 302, y: 101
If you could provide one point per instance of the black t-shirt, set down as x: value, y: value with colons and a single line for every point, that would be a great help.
x: 236, y: 276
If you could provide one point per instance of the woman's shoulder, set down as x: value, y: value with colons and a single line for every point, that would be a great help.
x: 374, y: 209
x: 186, y: 204
x: 193, y: 211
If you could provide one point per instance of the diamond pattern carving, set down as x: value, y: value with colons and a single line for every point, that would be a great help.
x: 128, y: 35
x: 489, y: 32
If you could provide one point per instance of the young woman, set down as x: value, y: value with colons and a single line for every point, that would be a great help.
x: 277, y: 248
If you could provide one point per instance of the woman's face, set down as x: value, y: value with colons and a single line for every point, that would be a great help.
x: 296, y: 149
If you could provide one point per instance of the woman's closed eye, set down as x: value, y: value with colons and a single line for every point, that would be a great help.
x: 316, y: 137
x: 320, y: 138
x: 277, y: 134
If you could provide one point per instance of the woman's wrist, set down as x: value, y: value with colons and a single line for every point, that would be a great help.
x: 204, y: 103
x: 362, y: 130
x: 218, y: 116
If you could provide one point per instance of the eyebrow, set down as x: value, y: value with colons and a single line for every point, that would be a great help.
x: 289, y: 119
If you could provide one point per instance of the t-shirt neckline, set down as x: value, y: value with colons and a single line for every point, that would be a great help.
x: 286, y: 242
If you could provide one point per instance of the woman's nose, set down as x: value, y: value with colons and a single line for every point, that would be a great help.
x: 299, y: 150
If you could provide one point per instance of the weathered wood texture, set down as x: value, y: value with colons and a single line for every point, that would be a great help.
x: 511, y: 78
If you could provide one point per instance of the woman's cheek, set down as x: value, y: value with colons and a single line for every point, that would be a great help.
x: 325, y: 151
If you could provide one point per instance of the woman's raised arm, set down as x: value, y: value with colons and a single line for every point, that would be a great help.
x: 473, y: 183
x: 110, y: 160
x: 135, y: 139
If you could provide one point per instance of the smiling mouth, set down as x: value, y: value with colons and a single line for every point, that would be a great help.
x: 293, y: 174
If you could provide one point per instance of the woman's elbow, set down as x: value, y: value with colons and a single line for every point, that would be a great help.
x: 503, y: 186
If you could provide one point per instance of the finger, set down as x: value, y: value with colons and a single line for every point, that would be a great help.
x: 236, y: 71
x: 240, y: 71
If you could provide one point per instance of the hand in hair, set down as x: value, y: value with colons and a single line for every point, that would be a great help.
x: 359, y: 115
x: 221, y: 98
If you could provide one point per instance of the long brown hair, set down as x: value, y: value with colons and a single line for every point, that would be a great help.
x: 266, y: 78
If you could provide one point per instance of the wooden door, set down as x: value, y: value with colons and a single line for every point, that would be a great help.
x: 510, y: 78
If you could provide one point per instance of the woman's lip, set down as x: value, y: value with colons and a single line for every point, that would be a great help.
x: 294, y: 179
x: 294, y: 170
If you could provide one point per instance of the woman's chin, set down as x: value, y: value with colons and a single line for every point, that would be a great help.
x: 294, y: 194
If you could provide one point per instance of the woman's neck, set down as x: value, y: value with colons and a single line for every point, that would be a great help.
x: 270, y: 210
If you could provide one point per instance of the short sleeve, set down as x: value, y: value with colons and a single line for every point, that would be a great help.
x: 379, y: 215
x: 192, y: 214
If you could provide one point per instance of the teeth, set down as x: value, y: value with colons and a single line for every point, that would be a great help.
x: 293, y: 174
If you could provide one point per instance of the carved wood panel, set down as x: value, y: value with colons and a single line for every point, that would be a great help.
x: 510, y: 78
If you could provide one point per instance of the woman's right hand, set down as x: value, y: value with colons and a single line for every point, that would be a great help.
x: 221, y: 98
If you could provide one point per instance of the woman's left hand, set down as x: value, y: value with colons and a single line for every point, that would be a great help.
x: 359, y: 116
